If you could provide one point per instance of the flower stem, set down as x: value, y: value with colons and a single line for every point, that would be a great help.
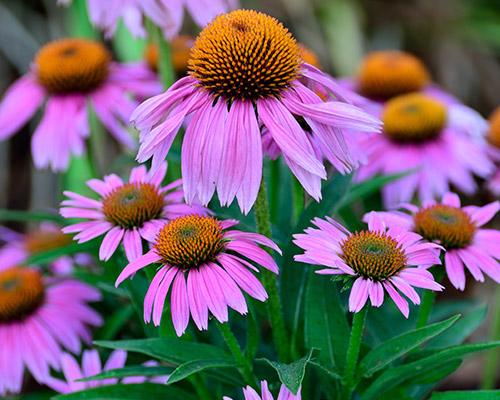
x: 491, y: 369
x: 428, y: 300
x: 269, y: 280
x: 165, y: 67
x: 200, y: 387
x: 298, y: 199
x: 358, y: 323
x: 244, y: 364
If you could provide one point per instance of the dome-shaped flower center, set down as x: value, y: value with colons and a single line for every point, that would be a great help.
x: 388, y: 73
x: 450, y: 226
x: 245, y: 55
x: 413, y: 118
x: 494, y: 131
x: 42, y: 240
x: 133, y: 204
x: 189, y: 241
x: 374, y: 255
x: 21, y: 292
x: 72, y: 65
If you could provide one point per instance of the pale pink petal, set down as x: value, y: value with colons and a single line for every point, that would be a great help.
x: 179, y: 304
x: 359, y: 294
x: 110, y: 243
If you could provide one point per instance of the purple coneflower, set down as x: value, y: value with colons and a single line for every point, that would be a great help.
x: 167, y: 14
x: 251, y: 394
x: 245, y: 70
x: 206, y: 264
x: 69, y: 73
x: 126, y: 211
x: 420, y: 134
x: 456, y: 229
x: 377, y: 259
x: 91, y: 365
x: 39, y: 316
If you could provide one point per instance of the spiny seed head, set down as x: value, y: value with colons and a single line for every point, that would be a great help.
x: 132, y: 204
x: 42, y: 240
x: 190, y: 241
x: 449, y: 226
x: 72, y: 65
x: 245, y: 55
x: 494, y: 131
x: 388, y: 73
x: 413, y: 118
x: 373, y: 255
x: 21, y: 292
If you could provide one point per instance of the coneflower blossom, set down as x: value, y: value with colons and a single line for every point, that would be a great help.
x: 493, y: 137
x: 245, y: 70
x: 456, y: 229
x: 70, y: 73
x: 91, y: 365
x: 167, y: 14
x: 206, y: 264
x: 39, y: 316
x: 377, y: 259
x: 251, y: 394
x: 421, y: 135
x: 384, y: 74
x: 127, y: 212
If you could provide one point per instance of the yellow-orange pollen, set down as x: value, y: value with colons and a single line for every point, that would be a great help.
x: 494, y: 131
x: 190, y: 241
x: 413, y: 118
x: 373, y: 255
x: 41, y: 240
x: 133, y: 204
x: 245, y: 55
x: 449, y: 226
x: 21, y: 292
x: 388, y: 73
x: 72, y: 65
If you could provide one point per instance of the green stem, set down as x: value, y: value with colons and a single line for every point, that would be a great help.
x: 428, y: 300
x: 298, y: 199
x: 200, y: 387
x: 244, y: 364
x: 492, y: 362
x: 165, y: 67
x: 269, y: 279
x: 358, y: 323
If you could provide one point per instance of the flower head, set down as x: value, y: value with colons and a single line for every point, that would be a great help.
x: 493, y: 137
x: 419, y: 133
x: 167, y: 14
x: 39, y: 316
x: 206, y: 264
x: 251, y: 394
x: 69, y: 73
x: 126, y: 211
x: 457, y: 230
x: 246, y: 71
x: 377, y: 259
x: 91, y: 365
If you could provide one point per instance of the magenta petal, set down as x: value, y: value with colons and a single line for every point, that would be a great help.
x: 179, y: 304
x: 212, y: 293
x: 454, y: 269
x: 376, y: 292
x: 132, y: 244
x: 110, y: 243
x: 197, y: 303
x: 151, y: 293
x: 149, y: 258
x: 359, y: 294
x: 161, y: 294
x: 401, y: 303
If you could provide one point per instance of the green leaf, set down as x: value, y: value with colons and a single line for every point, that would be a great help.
x: 330, y: 373
x: 433, y: 375
x: 460, y: 330
x: 175, y: 351
x: 394, y: 348
x: 47, y: 256
x: 326, y: 326
x: 14, y: 215
x: 467, y: 395
x: 291, y: 375
x: 129, y: 392
x: 192, y: 367
x: 134, y: 370
x: 398, y: 375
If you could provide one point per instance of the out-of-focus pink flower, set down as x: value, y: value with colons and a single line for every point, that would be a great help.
x: 69, y: 73
x: 126, y: 212
x: 38, y: 317
x: 378, y: 259
x: 246, y: 71
x: 91, y: 365
x: 205, y: 264
x: 251, y: 394
x: 456, y: 229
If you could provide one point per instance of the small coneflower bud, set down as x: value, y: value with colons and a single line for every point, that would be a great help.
x: 72, y: 65
x: 449, y: 226
x: 21, y: 292
x: 413, y: 118
x: 388, y: 73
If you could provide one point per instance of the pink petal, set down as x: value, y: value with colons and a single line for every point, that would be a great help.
x: 179, y: 304
x: 149, y: 258
x: 359, y: 294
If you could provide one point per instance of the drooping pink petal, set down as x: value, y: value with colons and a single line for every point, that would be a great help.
x: 149, y: 258
x: 359, y: 294
x: 179, y: 304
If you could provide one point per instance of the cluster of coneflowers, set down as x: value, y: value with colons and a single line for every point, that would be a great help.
x: 250, y: 91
